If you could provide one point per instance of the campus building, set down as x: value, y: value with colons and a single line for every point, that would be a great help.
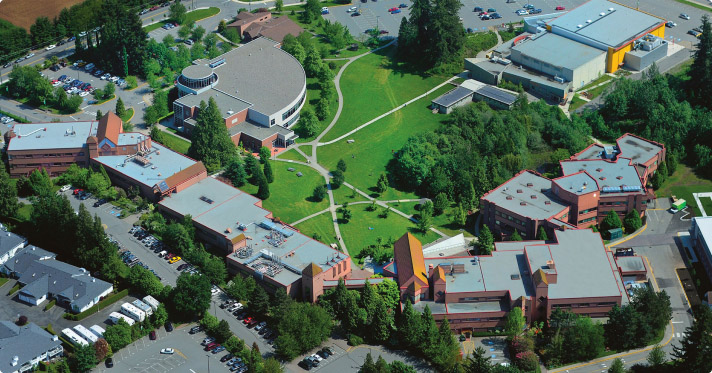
x: 256, y: 243
x: 471, y: 90
x: 22, y: 348
x: 565, y: 51
x: 595, y: 181
x: 43, y: 277
x: 258, y: 87
x: 573, y: 272
x: 261, y: 24
x: 701, y: 235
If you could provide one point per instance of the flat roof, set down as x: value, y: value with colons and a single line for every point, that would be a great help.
x: 452, y: 97
x: 131, y: 138
x: 259, y: 73
x: 225, y: 102
x: 497, y: 94
x: 528, y: 194
x: 225, y: 210
x: 61, y: 135
x: 614, y: 28
x: 639, y: 150
x: 630, y: 263
x: 437, y: 308
x: 579, y: 183
x: 196, y: 72
x: 594, y: 151
x: 704, y: 224
x: 162, y: 163
x: 558, y: 51
x: 609, y: 174
x: 257, y: 131
x: 538, y: 78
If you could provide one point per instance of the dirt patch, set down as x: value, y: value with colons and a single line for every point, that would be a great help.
x: 23, y: 13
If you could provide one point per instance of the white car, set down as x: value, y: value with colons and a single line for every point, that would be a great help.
x: 317, y: 357
x: 352, y: 9
x: 105, y: 76
x: 522, y: 12
x: 114, y: 79
x: 83, y: 93
x: 50, y: 47
x: 30, y: 55
x: 167, y: 351
x: 324, y: 8
x: 56, y: 83
x: 65, y: 188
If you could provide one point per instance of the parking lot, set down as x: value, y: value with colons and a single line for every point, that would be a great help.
x: 144, y: 355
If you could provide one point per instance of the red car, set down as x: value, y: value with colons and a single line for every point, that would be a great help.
x: 392, y: 9
x: 154, y: 8
x: 560, y: 8
x: 77, y: 191
x: 169, y: 256
x: 152, y: 335
x: 247, y: 320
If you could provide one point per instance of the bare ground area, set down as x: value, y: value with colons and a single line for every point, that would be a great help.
x: 23, y: 13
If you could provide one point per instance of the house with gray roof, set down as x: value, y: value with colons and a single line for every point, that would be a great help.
x: 10, y: 243
x: 23, y: 347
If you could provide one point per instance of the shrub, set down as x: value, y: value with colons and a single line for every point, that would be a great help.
x: 354, y: 340
x: 50, y: 304
x: 22, y: 320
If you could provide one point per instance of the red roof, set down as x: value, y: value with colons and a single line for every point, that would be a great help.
x: 410, y: 264
x: 110, y: 126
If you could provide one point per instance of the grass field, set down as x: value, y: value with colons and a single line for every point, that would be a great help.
x: 291, y: 154
x: 696, y: 5
x: 682, y: 184
x: 346, y: 194
x: 442, y: 222
x: 357, y: 233
x: 576, y: 103
x: 601, y: 79
x: 23, y: 13
x: 24, y: 212
x: 290, y: 196
x: 374, y: 145
x: 193, y: 16
x: 374, y: 84
x: 128, y: 115
x: 176, y: 143
x: 321, y: 225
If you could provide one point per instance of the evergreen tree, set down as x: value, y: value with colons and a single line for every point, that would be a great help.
x: 337, y: 178
x: 120, y: 109
x: 459, y: 217
x: 407, y: 38
x: 319, y: 193
x: 428, y: 341
x: 485, y: 241
x: 617, y: 367
x: 322, y: 109
x: 210, y: 140
x: 382, y: 183
x: 426, y: 219
x: 8, y: 195
x: 265, y: 154
x: 701, y: 70
x: 657, y: 356
x: 341, y: 165
x: 541, y: 234
x: 448, y: 350
x: 632, y: 221
x: 611, y: 221
x: 121, y: 31
x: 251, y: 167
x: 515, y: 236
x: 368, y: 365
x: 515, y: 322
x: 381, y: 324
x: 409, y: 326
x: 235, y: 172
x: 269, y: 175
x: 259, y: 303
x: 308, y: 124
x: 99, y: 114
x: 478, y: 362
x: 441, y: 203
x: 262, y: 186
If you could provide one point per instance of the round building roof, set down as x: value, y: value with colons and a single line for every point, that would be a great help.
x: 197, y: 72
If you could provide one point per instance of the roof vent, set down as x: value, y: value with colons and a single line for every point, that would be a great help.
x: 619, y: 177
x: 230, y: 112
x: 509, y: 198
x: 533, y: 196
x: 547, y: 202
x: 602, y: 14
x: 519, y: 191
x: 515, y: 277
x: 599, y: 169
x: 602, y: 178
x: 588, y: 21
x: 580, y: 169
x: 611, y: 9
x: 579, y: 26
x: 522, y: 203
x: 530, y: 184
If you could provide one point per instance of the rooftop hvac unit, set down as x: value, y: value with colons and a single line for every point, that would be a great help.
x: 559, y: 79
x: 579, y: 26
x: 588, y: 21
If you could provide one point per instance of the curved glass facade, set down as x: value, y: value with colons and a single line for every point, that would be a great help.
x: 198, y: 83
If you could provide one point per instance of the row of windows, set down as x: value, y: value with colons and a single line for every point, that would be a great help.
x: 508, y: 217
x: 587, y: 220
x: 293, y: 109
x: 47, y: 155
x: 583, y: 305
x: 521, y: 233
x: 617, y: 203
x: 46, y: 165
x: 584, y: 212
x: 483, y: 319
x: 478, y: 299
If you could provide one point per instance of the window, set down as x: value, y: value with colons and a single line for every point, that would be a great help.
x: 272, y: 122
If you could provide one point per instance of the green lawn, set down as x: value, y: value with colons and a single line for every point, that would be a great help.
x: 193, y: 16
x: 601, y: 79
x: 321, y: 225
x: 174, y: 142
x: 290, y: 196
x: 374, y: 145
x: 595, y: 92
x: 3, y: 281
x: 291, y: 154
x: 357, y: 234
x: 576, y: 103
x: 346, y: 194
x: 313, y: 96
x: 128, y: 115
x: 706, y: 205
x: 682, y: 184
x: 694, y: 4
x: 442, y: 222
x: 374, y: 84
x: 24, y: 212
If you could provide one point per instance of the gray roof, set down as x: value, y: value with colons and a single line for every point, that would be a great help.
x: 497, y: 94
x: 62, y: 135
x: 608, y: 174
x: 630, y: 263
x: 558, y: 51
x: 637, y: 149
x: 10, y: 241
x: 196, y: 72
x: 130, y: 138
x: 592, y: 152
x: 223, y: 209
x: 613, y: 29
x: 536, y: 201
x: 579, y: 183
x: 224, y: 101
x: 259, y: 73
x: 537, y: 78
x: 454, y: 96
x: 355, y: 281
x: 42, y: 273
x: 26, y: 342
x: 704, y: 224
x: 458, y: 308
x: 259, y: 132
x: 163, y: 163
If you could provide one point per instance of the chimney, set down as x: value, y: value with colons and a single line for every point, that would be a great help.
x: 550, y: 264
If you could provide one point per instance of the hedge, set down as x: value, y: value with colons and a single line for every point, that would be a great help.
x: 50, y: 304
x: 14, y: 289
x: 95, y: 308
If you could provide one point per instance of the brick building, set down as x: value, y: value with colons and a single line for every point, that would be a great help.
x: 573, y: 272
x: 595, y: 181
x: 254, y: 25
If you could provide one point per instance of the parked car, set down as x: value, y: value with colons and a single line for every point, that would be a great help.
x: 218, y: 349
x: 174, y: 259
x: 29, y: 55
x: 491, y: 10
x: 396, y: 11
x: 535, y: 11
x: 169, y: 326
x: 522, y: 12
x: 188, y: 41
x: 152, y: 335
x: 684, y: 16
x: 51, y: 46
x: 168, y: 351
x: 227, y: 357
x: 355, y: 14
x: 403, y: 5
x: 110, y: 363
x: 495, y: 16
x: 208, y: 341
x: 196, y: 329
x: 55, y: 68
x: 670, y: 24
x: 560, y: 7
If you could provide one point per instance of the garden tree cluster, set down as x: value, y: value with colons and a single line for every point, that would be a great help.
x: 336, y: 34
x: 235, y: 171
x: 611, y: 221
x: 122, y: 334
x: 640, y: 322
x: 421, y: 336
x: 503, y: 142
x: 515, y: 236
x: 700, y: 83
x: 95, y: 181
x: 14, y: 41
x: 210, y: 141
x: 83, y: 359
x: 479, y: 362
x: 632, y: 221
x: 191, y: 296
x: 301, y: 327
x: 485, y: 241
x: 8, y: 195
x: 569, y: 338
x: 219, y: 329
x: 693, y: 354
x: 122, y: 42
x: 381, y: 366
x: 312, y: 12
x: 77, y: 238
x: 308, y: 124
x: 515, y: 322
x: 433, y: 35
x: 163, y: 61
x: 142, y: 281
x: 158, y: 109
x: 177, y: 12
x: 37, y: 184
x: 26, y: 82
x: 381, y: 252
x: 106, y: 93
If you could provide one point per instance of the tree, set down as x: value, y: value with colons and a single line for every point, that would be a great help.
x: 382, y: 183
x: 98, y: 112
x: 696, y: 345
x: 700, y: 74
x: 269, y: 175
x: 345, y: 214
x: 101, y: 349
x: 278, y: 5
x: 272, y: 365
x: 409, y: 326
x: 478, y: 362
x: 368, y: 365
x: 251, y: 167
x: 265, y: 154
x: 632, y: 221
x: 8, y: 195
x: 311, y: 11
x: 144, y: 282
x: 302, y: 327
x: 160, y: 316
x: 322, y: 109
x: 441, y: 203
x: 381, y: 324
x: 259, y: 303
x: 197, y: 34
x: 308, y: 124
x: 184, y: 31
x: 515, y: 236
x: 319, y: 193
x: 150, y: 116
x: 426, y: 218
x: 657, y: 356
x: 337, y: 178
x: 541, y: 234
x: 485, y: 241
x: 459, y: 217
x: 515, y: 322
x: 611, y: 221
x: 341, y: 165
x: 312, y: 61
x: 617, y: 367
x: 235, y: 172
x: 210, y: 140
x: 120, y: 109
x: 84, y: 358
x: 262, y: 186
x: 118, y: 335
x: 178, y: 12
x: 191, y: 296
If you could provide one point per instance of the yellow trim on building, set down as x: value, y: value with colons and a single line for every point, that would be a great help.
x: 614, y: 58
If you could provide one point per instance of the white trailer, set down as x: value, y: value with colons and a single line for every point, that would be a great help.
x: 85, y: 333
x: 151, y: 301
x: 143, y: 307
x: 133, y: 312
x: 114, y: 317
x: 97, y: 330
x: 74, y: 338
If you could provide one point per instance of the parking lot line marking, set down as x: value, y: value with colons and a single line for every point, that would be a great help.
x: 629, y: 237
x: 682, y: 287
